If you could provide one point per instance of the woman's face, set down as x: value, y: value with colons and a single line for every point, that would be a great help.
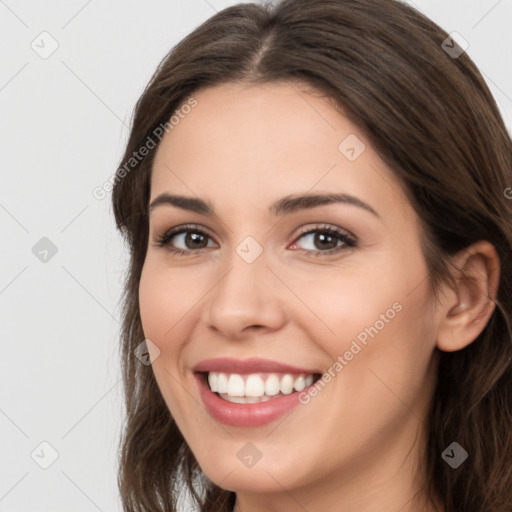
x: 324, y: 286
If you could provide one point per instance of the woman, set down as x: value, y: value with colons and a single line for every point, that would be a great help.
x: 320, y: 243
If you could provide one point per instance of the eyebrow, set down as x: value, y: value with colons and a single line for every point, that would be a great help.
x: 284, y: 206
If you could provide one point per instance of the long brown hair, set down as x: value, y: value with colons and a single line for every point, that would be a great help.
x: 432, y: 119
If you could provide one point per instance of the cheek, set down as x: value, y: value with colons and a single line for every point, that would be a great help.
x: 379, y: 318
x: 165, y: 299
x: 162, y: 311
x: 152, y: 304
x: 338, y: 305
x: 387, y: 358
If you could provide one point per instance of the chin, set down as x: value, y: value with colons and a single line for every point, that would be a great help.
x: 248, y: 480
x: 265, y: 476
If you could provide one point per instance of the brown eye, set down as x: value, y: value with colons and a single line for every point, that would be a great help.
x: 194, y: 240
x: 184, y: 239
x: 325, y: 240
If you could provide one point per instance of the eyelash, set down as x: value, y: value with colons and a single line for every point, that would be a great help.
x: 343, y: 236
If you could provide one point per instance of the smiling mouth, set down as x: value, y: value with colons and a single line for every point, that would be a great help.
x: 255, y: 388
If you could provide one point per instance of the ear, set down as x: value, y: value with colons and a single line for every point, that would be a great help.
x: 466, y: 309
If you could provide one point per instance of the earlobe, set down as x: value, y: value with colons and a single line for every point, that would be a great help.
x: 467, y: 309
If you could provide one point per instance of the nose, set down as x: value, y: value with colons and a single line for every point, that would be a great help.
x: 246, y: 299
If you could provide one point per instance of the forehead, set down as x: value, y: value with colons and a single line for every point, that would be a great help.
x: 267, y: 141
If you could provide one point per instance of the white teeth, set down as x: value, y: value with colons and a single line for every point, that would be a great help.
x: 299, y: 383
x: 235, y: 399
x: 212, y: 380
x: 235, y: 385
x: 245, y: 399
x: 256, y: 387
x: 222, y: 382
x: 272, y: 385
x: 287, y: 384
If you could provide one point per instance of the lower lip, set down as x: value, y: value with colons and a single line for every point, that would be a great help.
x: 245, y: 415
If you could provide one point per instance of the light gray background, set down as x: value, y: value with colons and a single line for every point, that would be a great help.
x: 64, y: 123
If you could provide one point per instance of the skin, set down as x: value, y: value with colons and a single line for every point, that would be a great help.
x: 358, y: 445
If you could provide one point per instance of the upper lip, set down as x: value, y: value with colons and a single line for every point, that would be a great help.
x: 254, y: 365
